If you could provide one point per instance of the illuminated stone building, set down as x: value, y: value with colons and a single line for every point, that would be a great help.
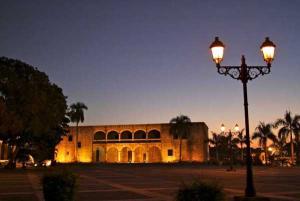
x: 137, y: 143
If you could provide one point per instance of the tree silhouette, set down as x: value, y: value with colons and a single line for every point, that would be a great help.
x: 215, y: 141
x: 77, y: 115
x: 263, y: 132
x: 32, y: 107
x: 241, y: 140
x: 289, y: 126
x: 180, y: 128
x: 280, y: 147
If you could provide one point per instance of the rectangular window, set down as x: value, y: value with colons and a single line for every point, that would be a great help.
x: 170, y: 152
x: 79, y: 144
x: 70, y: 138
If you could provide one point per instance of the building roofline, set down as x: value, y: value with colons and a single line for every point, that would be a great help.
x: 139, y: 124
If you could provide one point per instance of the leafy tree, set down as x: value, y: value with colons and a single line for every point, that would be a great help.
x: 263, y: 132
x: 289, y: 126
x: 10, y: 125
x: 47, y: 143
x: 180, y: 128
x: 77, y: 115
x: 30, y: 99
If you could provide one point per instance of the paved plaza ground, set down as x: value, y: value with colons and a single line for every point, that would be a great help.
x: 150, y: 182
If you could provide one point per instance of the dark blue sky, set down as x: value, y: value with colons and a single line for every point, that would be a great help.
x: 146, y: 61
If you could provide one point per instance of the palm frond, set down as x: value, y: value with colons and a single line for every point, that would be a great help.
x: 256, y: 135
x: 279, y: 122
x: 76, y: 112
x: 283, y: 132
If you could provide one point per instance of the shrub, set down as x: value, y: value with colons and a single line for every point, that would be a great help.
x: 59, y: 186
x: 200, y: 191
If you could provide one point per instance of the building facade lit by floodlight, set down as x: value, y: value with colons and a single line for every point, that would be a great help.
x: 136, y: 143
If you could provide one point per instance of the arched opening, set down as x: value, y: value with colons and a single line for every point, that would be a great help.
x: 100, y: 135
x: 113, y: 135
x: 140, y: 134
x: 126, y: 135
x: 112, y: 155
x: 154, y: 155
x: 154, y: 134
x: 139, y: 155
x: 126, y: 155
x: 99, y: 154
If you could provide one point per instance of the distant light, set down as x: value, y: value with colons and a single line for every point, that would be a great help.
x: 47, y: 163
x: 223, y: 127
x: 236, y: 127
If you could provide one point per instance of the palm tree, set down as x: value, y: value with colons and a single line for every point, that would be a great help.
x: 280, y: 146
x: 215, y: 141
x: 263, y: 132
x: 289, y: 125
x: 180, y: 127
x: 241, y: 140
x: 77, y: 115
x: 232, y: 145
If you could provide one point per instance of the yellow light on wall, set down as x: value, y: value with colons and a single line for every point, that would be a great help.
x: 217, y: 50
x: 268, y: 50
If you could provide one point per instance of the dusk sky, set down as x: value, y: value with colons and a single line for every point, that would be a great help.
x: 146, y: 61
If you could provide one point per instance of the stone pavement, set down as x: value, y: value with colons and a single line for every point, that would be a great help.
x: 151, y: 182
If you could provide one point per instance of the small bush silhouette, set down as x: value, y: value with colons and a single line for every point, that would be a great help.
x: 200, y: 191
x: 59, y: 186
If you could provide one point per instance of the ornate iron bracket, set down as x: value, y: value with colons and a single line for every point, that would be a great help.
x: 244, y: 72
x: 235, y: 71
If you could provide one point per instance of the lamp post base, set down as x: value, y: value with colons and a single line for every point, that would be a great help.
x: 256, y: 198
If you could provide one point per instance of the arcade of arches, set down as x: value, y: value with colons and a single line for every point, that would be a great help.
x: 135, y: 143
x: 128, y: 154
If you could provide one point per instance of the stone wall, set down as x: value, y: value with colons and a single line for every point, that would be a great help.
x: 137, y: 143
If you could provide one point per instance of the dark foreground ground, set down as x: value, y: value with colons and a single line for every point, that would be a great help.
x: 150, y: 182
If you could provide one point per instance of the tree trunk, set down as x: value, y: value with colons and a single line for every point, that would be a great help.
x: 292, y: 146
x: 180, y: 142
x: 76, y: 142
x: 281, y: 155
x: 266, y: 152
x: 11, y: 157
x: 23, y: 165
x: 242, y: 152
x: 231, y: 152
x: 297, y: 151
x: 217, y: 154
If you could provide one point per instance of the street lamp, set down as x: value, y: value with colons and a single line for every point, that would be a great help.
x: 245, y: 73
x: 230, y: 134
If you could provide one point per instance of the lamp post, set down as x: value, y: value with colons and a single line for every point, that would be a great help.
x: 230, y: 134
x: 244, y: 73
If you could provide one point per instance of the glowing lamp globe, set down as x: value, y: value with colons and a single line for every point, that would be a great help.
x: 268, y: 50
x: 217, y: 50
x: 223, y: 128
x: 236, y: 127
